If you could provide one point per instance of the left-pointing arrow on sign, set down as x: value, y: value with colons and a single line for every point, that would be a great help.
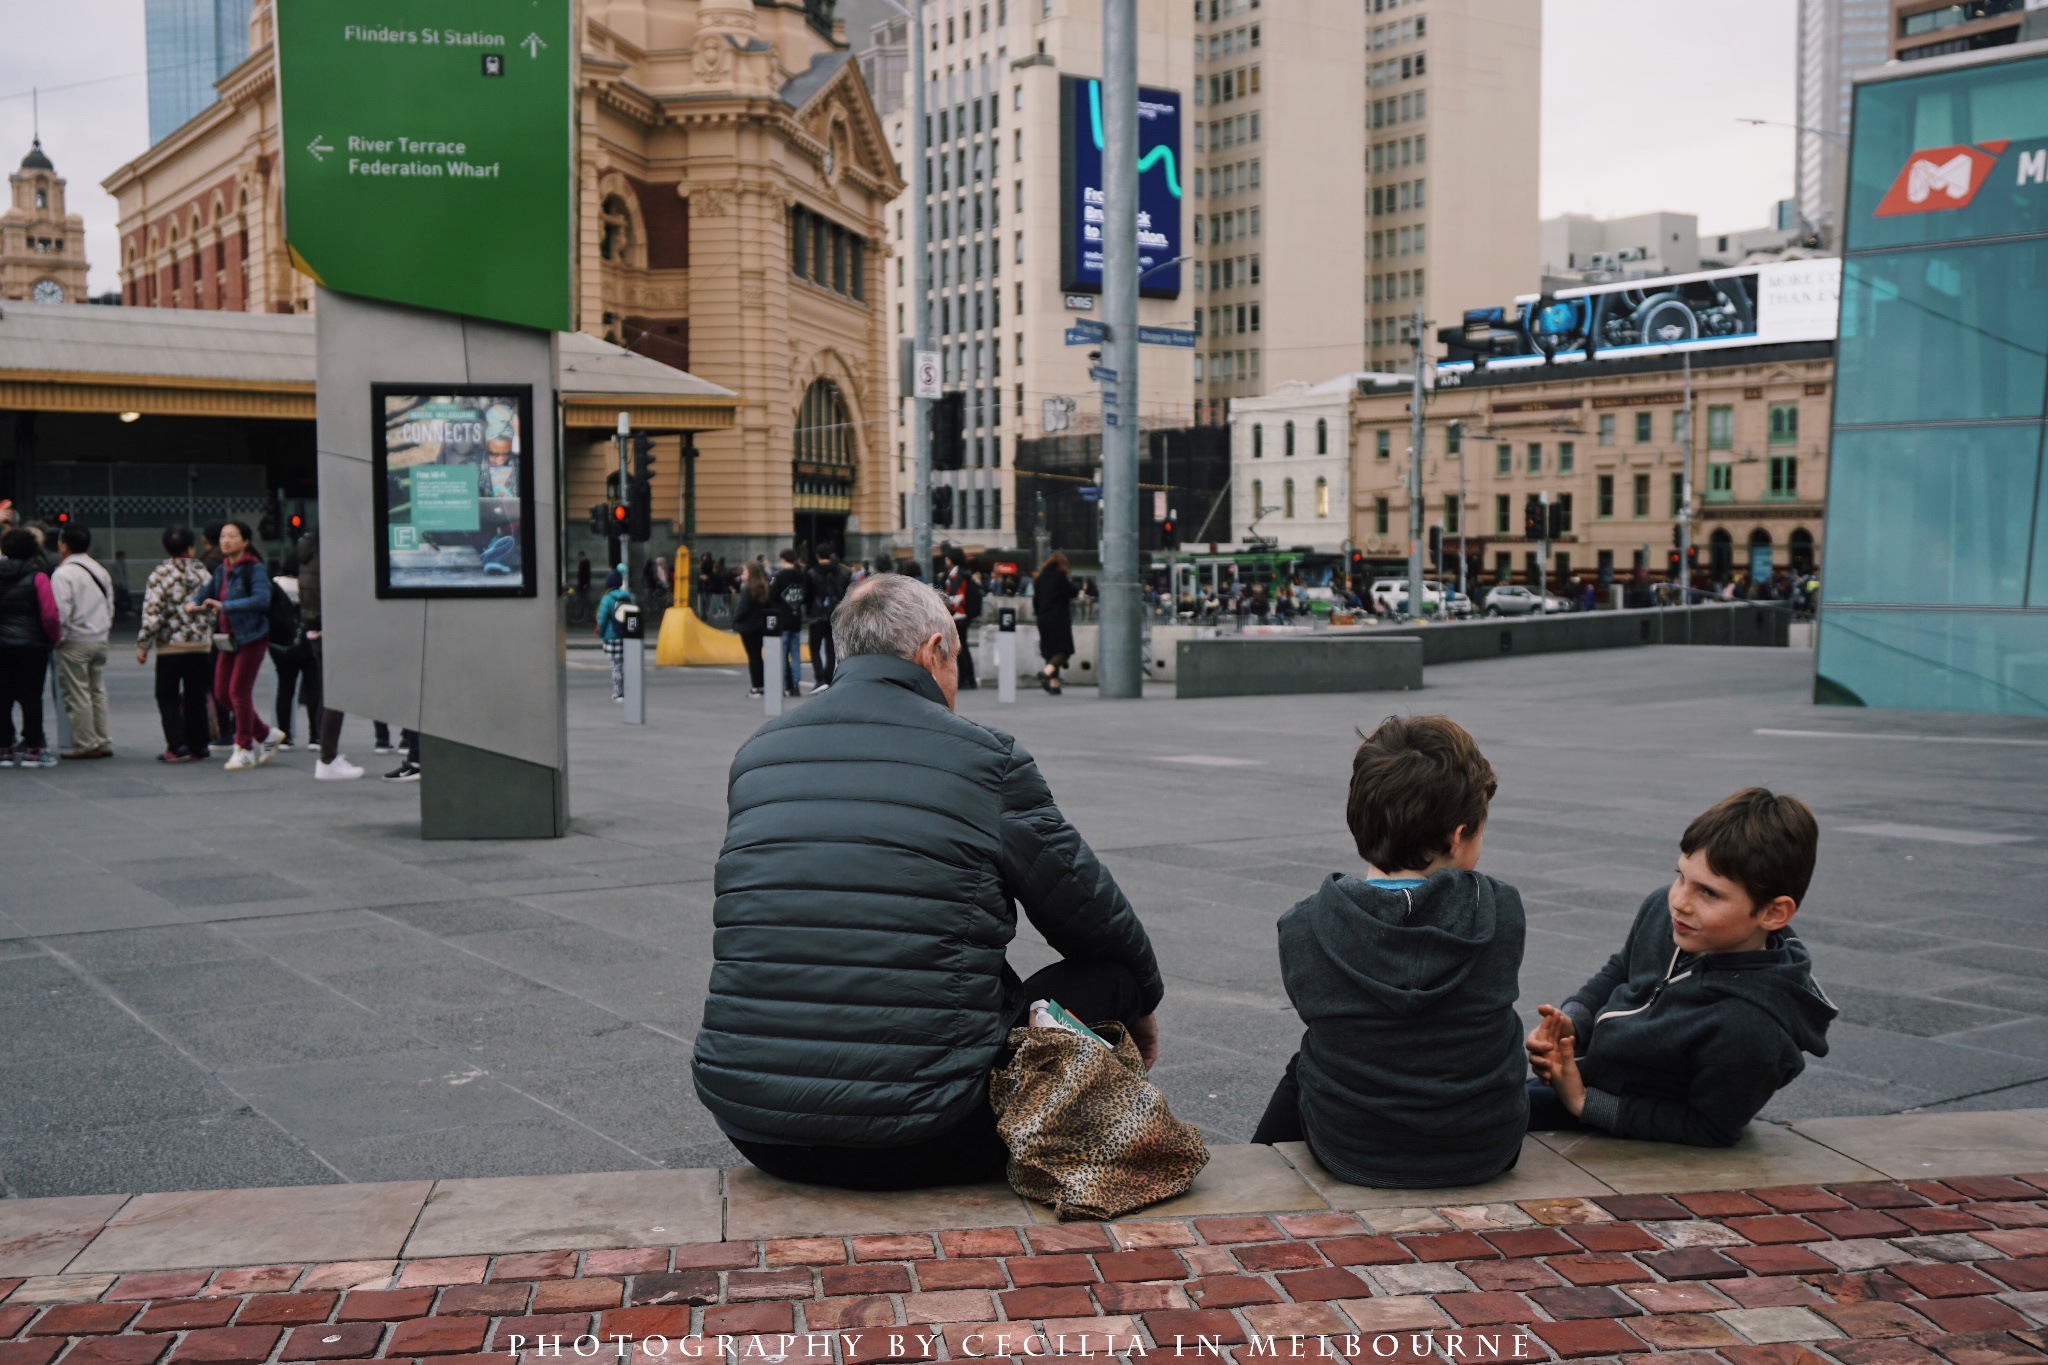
x: 318, y: 148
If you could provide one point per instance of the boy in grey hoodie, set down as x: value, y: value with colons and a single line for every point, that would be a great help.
x: 1700, y: 1018
x: 1409, y: 1075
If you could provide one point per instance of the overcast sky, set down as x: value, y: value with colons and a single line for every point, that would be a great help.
x: 1640, y: 102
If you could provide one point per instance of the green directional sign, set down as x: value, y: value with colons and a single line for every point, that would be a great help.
x: 428, y: 152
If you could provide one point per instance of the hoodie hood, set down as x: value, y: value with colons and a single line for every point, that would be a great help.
x: 1779, y: 981
x: 1406, y: 949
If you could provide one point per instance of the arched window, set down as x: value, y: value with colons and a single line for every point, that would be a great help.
x: 1258, y: 498
x: 1287, y: 499
x: 1759, y: 554
x: 1287, y: 439
x: 1322, y: 435
x: 1322, y: 497
x: 1258, y: 441
x: 1800, y: 543
x: 824, y: 431
x: 1721, y: 555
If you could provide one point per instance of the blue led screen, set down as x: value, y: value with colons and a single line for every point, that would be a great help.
x: 1159, y: 187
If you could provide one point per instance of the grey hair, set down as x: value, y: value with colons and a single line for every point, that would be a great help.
x: 891, y: 614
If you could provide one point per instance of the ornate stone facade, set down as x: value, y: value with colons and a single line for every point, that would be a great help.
x: 710, y: 131
x: 42, y: 248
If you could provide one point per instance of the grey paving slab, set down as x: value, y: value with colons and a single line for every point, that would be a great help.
x: 40, y: 1236
x: 574, y: 971
x: 542, y: 1213
x: 290, y: 1223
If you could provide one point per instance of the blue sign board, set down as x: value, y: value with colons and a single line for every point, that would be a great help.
x: 1090, y: 493
x: 1078, y: 336
x: 1159, y: 187
x: 1102, y: 373
x: 1166, y: 336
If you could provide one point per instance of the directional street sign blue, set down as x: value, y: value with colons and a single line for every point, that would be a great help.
x: 1166, y: 336
x: 1102, y: 373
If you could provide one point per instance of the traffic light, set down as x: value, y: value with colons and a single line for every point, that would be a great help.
x: 1671, y: 567
x: 949, y: 431
x: 1556, y: 521
x: 643, y: 457
x: 269, y: 526
x: 1436, y: 549
x: 1533, y: 524
x: 1677, y: 535
x: 600, y: 518
x: 639, y: 510
x: 617, y: 515
x: 297, y: 522
x: 60, y: 518
x: 942, y: 506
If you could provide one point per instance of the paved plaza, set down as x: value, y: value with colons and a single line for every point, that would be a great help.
x: 211, y: 980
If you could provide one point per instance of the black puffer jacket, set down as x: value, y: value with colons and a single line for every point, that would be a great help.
x: 1412, y: 1067
x: 875, y: 843
x: 1678, y: 1048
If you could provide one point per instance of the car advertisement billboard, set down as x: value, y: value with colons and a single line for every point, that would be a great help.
x: 1159, y: 187
x: 1707, y: 310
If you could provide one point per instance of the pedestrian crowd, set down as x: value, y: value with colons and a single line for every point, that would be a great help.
x: 212, y: 612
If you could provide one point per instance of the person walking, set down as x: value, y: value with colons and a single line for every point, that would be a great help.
x: 1052, y: 603
x: 611, y: 636
x: 289, y: 659
x: 239, y: 596
x: 29, y: 630
x: 787, y: 589
x: 751, y: 621
x: 824, y: 587
x: 85, y: 611
x: 183, y: 645
x: 963, y: 598
x: 332, y: 765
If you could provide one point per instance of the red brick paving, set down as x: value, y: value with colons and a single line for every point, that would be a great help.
x: 1578, y: 1280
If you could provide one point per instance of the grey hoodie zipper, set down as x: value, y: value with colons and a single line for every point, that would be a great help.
x: 1655, y: 995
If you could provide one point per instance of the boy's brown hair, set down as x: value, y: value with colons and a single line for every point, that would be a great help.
x: 1413, y: 782
x: 1763, y: 842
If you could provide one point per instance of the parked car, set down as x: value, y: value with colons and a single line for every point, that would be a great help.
x: 1512, y: 599
x: 1391, y: 595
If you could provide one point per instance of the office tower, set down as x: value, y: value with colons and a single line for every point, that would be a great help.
x: 1277, y: 144
x: 1007, y: 85
x: 192, y: 44
x: 1934, y: 28
x: 1837, y: 38
x: 1453, y: 108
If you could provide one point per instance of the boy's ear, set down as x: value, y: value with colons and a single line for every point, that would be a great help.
x: 1776, y: 914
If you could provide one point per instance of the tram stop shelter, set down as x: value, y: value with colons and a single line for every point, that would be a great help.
x: 133, y: 419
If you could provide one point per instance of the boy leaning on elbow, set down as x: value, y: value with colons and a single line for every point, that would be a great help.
x: 1701, y: 1017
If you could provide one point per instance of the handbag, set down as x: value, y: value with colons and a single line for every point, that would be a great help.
x: 224, y: 642
x: 1087, y: 1133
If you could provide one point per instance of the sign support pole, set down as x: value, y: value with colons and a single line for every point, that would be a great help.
x: 1416, y: 603
x: 920, y: 298
x: 1120, y: 670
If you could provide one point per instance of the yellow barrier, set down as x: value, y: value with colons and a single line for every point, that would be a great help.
x: 686, y: 641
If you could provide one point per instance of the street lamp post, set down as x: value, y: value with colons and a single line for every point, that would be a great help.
x: 1120, y: 633
x: 920, y: 295
x: 1415, y: 601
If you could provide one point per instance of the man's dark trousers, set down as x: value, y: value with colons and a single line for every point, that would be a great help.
x: 1094, y: 992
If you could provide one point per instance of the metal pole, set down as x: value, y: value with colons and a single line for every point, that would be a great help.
x: 686, y: 593
x: 1464, y: 513
x: 1415, y: 599
x: 1120, y: 670
x: 1685, y: 498
x: 920, y: 295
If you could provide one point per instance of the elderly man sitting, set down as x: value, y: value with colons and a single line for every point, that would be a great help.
x: 876, y: 847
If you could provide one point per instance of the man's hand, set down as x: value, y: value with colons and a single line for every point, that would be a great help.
x: 142, y: 654
x: 1145, y: 1034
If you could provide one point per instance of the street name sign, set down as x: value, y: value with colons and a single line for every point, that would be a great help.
x: 1166, y: 336
x: 429, y: 152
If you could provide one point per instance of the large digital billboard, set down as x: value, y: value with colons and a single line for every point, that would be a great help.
x: 1159, y: 187
x: 1707, y: 310
x: 453, y: 474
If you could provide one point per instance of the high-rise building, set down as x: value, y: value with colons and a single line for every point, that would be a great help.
x: 884, y: 56
x: 42, y: 248
x: 192, y: 44
x: 1277, y: 142
x: 1934, y: 28
x: 1453, y: 107
x: 1837, y: 38
x: 1002, y: 228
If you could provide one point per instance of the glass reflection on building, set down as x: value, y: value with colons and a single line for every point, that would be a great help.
x: 1936, y: 584
x: 192, y: 44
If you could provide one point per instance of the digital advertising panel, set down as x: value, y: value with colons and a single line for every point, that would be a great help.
x: 1745, y: 306
x: 1160, y: 187
x: 453, y: 474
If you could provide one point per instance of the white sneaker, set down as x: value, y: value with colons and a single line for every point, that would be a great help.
x: 267, y: 746
x: 382, y: 749
x: 242, y: 758
x: 341, y: 770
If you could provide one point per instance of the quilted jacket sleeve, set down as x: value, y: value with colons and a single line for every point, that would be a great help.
x: 1069, y: 895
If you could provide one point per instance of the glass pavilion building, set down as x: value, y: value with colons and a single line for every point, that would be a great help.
x: 1936, y: 584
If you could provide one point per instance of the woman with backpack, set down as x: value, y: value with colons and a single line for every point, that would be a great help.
x: 240, y: 596
x: 611, y: 636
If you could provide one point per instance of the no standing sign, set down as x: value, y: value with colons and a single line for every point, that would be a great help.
x: 428, y: 154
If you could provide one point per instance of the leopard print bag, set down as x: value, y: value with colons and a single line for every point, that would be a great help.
x: 1087, y: 1133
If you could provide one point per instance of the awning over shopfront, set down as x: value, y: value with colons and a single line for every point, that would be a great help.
x: 193, y: 363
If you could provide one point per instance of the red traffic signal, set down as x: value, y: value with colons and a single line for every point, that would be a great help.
x: 619, y: 514
x: 61, y: 519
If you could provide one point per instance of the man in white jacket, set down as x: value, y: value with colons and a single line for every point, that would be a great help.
x: 85, y: 609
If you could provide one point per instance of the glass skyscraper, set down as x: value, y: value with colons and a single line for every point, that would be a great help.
x: 192, y: 44
x: 1936, y: 584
